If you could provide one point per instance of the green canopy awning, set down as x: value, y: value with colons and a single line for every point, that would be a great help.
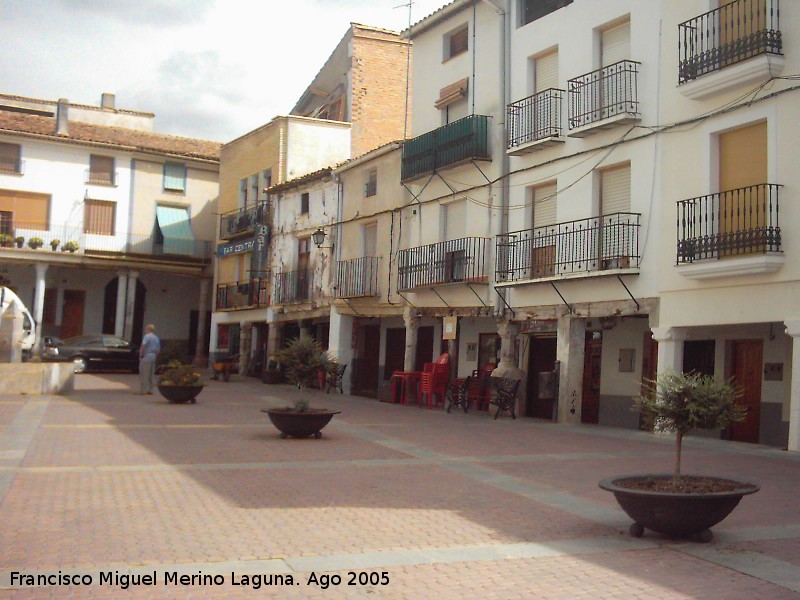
x: 176, y: 229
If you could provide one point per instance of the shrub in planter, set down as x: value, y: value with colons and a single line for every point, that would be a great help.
x: 180, y: 382
x: 54, y: 244
x: 35, y: 243
x: 70, y: 247
x: 6, y: 241
x: 19, y: 241
x: 675, y: 504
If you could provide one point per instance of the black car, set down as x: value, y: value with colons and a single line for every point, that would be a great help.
x: 92, y: 352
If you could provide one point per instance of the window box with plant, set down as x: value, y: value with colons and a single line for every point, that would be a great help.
x: 35, y: 243
x: 54, y: 244
x: 302, y: 360
x: 674, y: 504
x: 180, y: 383
x: 70, y: 247
x: 19, y: 241
x: 6, y: 241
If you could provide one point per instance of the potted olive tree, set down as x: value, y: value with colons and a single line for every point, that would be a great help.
x: 301, y: 360
x: 676, y: 504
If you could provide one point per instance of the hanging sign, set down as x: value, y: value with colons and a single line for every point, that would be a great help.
x: 449, y: 327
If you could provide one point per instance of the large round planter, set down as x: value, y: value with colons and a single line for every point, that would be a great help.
x: 300, y: 424
x: 179, y: 394
x: 675, y: 514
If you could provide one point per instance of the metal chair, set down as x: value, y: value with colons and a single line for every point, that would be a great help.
x: 457, y: 394
x: 506, y: 392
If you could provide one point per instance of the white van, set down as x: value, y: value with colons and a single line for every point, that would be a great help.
x: 9, y: 304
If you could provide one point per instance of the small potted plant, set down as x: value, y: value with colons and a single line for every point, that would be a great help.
x: 301, y: 360
x: 19, y: 241
x: 35, y: 243
x: 180, y: 383
x: 675, y: 504
x: 6, y: 241
x: 54, y: 244
x: 70, y: 247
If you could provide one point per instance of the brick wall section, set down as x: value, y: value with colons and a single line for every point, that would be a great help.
x: 379, y: 89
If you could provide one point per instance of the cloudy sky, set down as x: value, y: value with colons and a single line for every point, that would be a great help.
x: 212, y: 69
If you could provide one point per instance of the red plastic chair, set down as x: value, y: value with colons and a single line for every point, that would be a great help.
x: 479, y: 391
x: 433, y: 381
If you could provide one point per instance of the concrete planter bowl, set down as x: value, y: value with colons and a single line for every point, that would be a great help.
x: 675, y: 514
x: 300, y: 424
x: 180, y: 394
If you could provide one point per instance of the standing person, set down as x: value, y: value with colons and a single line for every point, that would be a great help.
x: 148, y: 352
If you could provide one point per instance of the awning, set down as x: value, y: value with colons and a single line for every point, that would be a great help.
x: 176, y: 229
x: 452, y: 93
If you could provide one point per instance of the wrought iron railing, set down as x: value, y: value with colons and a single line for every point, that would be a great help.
x: 242, y: 220
x: 463, y: 260
x: 243, y: 294
x: 357, y: 278
x: 727, y: 35
x: 586, y: 245
x: 461, y: 140
x: 607, y: 92
x: 112, y: 243
x: 293, y: 286
x: 735, y: 222
x: 534, y: 118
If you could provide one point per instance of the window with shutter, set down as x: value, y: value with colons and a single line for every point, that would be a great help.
x: 455, y: 220
x: 456, y: 42
x: 532, y: 10
x: 304, y: 198
x: 175, y: 177
x: 615, y: 190
x: 615, y: 202
x: 615, y: 44
x: 371, y: 240
x: 98, y: 217
x: 545, y: 71
x: 543, y: 259
x: 10, y: 162
x: 101, y: 170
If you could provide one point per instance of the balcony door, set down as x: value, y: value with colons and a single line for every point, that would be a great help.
x: 615, y: 46
x: 303, y: 273
x: 616, y: 235
x: 368, y: 275
x: 742, y: 205
x: 545, y: 77
x: 453, y: 264
x: 543, y: 251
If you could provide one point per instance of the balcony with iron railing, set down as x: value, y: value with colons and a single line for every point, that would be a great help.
x: 117, y: 245
x: 243, y: 294
x: 454, y: 261
x: 534, y: 122
x: 728, y: 35
x: 585, y: 246
x: 449, y: 145
x: 242, y: 220
x: 604, y: 98
x: 357, y: 278
x: 293, y: 286
x: 741, y: 222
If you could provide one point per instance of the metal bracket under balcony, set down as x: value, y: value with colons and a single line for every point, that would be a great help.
x: 598, y: 245
x: 604, y: 98
x: 534, y: 122
x: 455, y: 143
x: 357, y: 278
x: 454, y: 261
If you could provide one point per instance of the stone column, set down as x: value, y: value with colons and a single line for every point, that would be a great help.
x: 411, y: 321
x: 670, y: 348
x: 122, y: 289
x: 273, y: 339
x: 245, y: 338
x: 38, y: 302
x: 340, y: 343
x: 130, y: 304
x: 793, y: 329
x: 570, y: 351
x: 507, y: 367
x: 200, y: 351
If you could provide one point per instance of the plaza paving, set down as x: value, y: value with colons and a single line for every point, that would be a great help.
x: 446, y: 506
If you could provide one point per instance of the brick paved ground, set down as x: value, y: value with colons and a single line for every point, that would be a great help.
x: 444, y: 505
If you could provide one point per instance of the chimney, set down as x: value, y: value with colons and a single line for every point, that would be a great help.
x: 107, y: 101
x: 61, y: 117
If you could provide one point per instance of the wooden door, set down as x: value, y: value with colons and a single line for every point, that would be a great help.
x: 747, y: 367
x: 72, y: 315
x: 424, y: 347
x: 366, y: 364
x: 541, y: 359
x: 742, y: 205
x: 590, y: 398
x: 649, y: 368
x: 395, y: 351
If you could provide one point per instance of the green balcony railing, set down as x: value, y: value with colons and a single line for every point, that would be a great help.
x: 461, y: 140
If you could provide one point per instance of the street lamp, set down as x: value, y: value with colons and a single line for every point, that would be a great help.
x: 319, y: 237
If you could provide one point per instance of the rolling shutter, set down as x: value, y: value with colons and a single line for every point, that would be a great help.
x: 615, y: 44
x: 455, y: 220
x: 544, y: 205
x: 615, y: 190
x: 371, y: 240
x: 546, y: 72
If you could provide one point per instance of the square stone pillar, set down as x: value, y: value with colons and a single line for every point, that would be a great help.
x: 793, y: 329
x: 670, y: 348
x: 122, y: 290
x: 569, y: 352
x: 411, y: 320
x: 340, y: 343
